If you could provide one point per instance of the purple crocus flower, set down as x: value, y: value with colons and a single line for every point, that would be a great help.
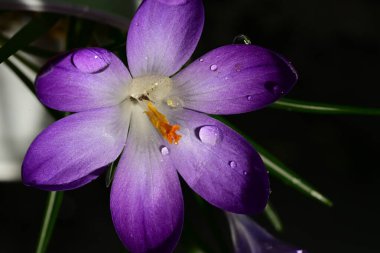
x: 153, y: 118
x: 247, y: 236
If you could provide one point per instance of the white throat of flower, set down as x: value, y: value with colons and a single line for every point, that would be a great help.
x: 150, y: 91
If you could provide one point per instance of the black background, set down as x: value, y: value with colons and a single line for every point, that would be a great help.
x: 334, y: 46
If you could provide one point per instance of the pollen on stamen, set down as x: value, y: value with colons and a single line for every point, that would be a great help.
x: 160, y: 122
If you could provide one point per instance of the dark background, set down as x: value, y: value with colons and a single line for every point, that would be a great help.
x: 334, y: 46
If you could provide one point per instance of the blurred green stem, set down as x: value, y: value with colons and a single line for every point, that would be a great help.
x: 38, y: 26
x: 39, y: 52
x: 51, y: 213
x: 321, y: 108
x: 279, y: 170
x: 282, y: 172
x: 273, y: 217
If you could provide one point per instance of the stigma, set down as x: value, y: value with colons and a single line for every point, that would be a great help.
x: 161, y: 123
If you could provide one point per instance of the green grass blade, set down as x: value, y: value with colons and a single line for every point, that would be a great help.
x: 321, y: 108
x: 279, y: 170
x: 273, y: 217
x: 110, y: 174
x: 282, y: 172
x: 39, y: 52
x: 38, y: 26
x: 51, y: 212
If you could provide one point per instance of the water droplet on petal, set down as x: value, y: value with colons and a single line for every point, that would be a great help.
x: 242, y: 39
x: 92, y: 60
x: 174, y: 102
x: 213, y: 67
x: 201, y: 60
x: 210, y: 135
x: 232, y: 164
x: 250, y: 98
x: 245, y: 173
x: 164, y: 150
x: 274, y: 88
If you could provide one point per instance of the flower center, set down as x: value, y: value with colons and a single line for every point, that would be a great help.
x: 160, y: 122
x: 151, y: 90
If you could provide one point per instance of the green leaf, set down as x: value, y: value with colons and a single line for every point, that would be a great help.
x: 36, y: 51
x: 273, y: 217
x: 279, y: 170
x: 38, y: 26
x: 111, y: 173
x: 321, y: 108
x: 282, y: 172
x: 51, y: 212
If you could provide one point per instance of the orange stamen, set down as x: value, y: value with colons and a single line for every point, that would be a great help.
x: 160, y: 122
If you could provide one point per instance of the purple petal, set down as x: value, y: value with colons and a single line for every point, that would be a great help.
x: 83, y: 79
x: 146, y: 197
x: 234, y: 79
x: 220, y: 165
x: 247, y: 236
x: 163, y: 35
x: 72, y: 151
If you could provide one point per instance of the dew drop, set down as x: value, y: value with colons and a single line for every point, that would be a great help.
x: 92, y: 60
x: 174, y: 102
x: 201, y: 60
x: 242, y: 39
x: 274, y: 88
x: 164, y: 150
x: 210, y: 135
x: 245, y: 173
x: 250, y: 98
x: 232, y: 164
x: 213, y: 67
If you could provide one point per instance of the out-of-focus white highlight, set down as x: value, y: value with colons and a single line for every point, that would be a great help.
x: 22, y: 117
